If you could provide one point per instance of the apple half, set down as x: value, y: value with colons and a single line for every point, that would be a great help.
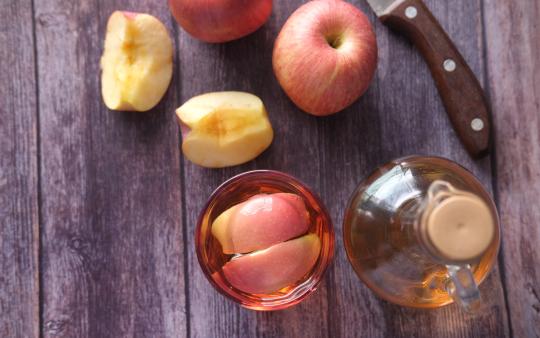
x: 262, y: 221
x: 272, y: 269
x: 137, y: 62
x: 224, y: 129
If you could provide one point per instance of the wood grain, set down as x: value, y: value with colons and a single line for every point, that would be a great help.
x: 246, y: 65
x: 118, y: 202
x: 112, y: 231
x: 513, y: 54
x: 19, y: 227
x: 401, y: 114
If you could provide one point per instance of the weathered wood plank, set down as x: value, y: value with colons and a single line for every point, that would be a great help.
x: 513, y: 54
x: 112, y: 230
x: 246, y: 65
x: 400, y: 115
x: 19, y: 217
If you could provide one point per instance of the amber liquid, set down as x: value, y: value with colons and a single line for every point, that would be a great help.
x: 213, y: 259
x: 382, y: 242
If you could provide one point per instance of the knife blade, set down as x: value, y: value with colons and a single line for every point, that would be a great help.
x: 380, y: 6
x: 458, y: 87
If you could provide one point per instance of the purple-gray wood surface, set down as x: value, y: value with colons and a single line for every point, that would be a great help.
x: 98, y: 208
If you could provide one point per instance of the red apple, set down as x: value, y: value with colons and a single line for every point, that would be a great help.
x: 325, y: 56
x: 220, y: 20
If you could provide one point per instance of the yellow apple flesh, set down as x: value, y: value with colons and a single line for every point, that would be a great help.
x: 224, y: 129
x: 136, y: 63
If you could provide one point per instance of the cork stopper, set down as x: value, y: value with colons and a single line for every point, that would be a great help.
x: 460, y: 227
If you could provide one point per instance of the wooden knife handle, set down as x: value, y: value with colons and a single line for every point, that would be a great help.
x: 460, y: 91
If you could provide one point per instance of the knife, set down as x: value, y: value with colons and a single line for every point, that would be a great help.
x: 458, y: 87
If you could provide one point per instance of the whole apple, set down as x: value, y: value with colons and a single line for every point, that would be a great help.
x: 220, y: 20
x: 325, y: 56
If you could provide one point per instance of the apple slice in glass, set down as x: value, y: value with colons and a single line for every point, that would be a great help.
x: 272, y: 269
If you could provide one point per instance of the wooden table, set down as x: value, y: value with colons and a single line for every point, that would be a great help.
x: 98, y: 208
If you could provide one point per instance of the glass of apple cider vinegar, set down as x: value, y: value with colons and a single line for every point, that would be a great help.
x: 422, y: 232
x: 264, y: 240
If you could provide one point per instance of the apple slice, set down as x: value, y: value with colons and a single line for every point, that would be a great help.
x: 136, y: 63
x: 260, y: 222
x: 224, y: 128
x: 270, y: 270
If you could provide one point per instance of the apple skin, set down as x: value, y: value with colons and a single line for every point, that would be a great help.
x: 261, y: 221
x: 130, y: 15
x: 319, y: 78
x: 220, y: 20
x: 274, y: 268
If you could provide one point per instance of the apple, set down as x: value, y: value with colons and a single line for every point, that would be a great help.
x: 272, y: 269
x: 260, y: 222
x: 325, y: 56
x: 137, y: 62
x: 224, y: 129
x: 220, y: 20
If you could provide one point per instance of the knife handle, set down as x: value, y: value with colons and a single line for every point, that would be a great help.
x: 459, y: 88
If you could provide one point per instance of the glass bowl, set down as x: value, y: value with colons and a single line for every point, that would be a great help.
x: 239, y: 189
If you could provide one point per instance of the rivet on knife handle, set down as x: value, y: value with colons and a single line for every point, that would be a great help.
x: 460, y: 91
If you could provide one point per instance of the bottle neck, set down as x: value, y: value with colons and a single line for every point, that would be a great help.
x: 453, y: 226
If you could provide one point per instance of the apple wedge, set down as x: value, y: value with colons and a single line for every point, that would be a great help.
x: 260, y: 222
x: 270, y: 270
x: 224, y: 129
x: 136, y: 63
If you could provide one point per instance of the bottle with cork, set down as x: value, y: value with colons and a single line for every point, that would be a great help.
x: 422, y: 232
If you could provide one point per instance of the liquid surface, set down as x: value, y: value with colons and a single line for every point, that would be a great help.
x: 219, y: 259
x: 381, y: 241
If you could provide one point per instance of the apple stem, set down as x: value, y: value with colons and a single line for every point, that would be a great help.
x: 334, y: 40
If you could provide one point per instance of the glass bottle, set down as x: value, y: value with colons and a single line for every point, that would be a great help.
x: 422, y: 232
